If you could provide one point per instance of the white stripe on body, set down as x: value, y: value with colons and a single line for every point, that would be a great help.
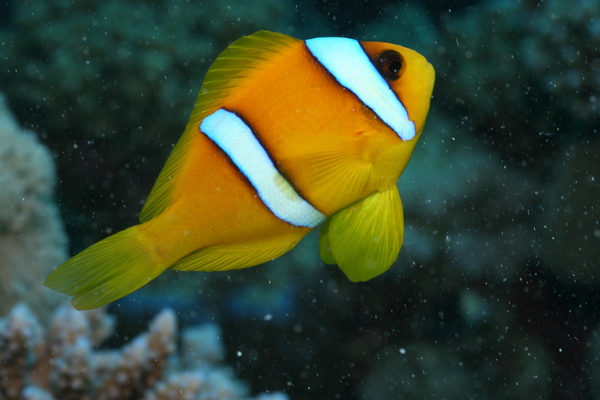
x: 237, y: 140
x: 346, y: 60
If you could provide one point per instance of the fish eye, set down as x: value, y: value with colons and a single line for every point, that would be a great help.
x: 390, y: 64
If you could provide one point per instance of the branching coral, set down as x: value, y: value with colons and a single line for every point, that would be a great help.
x: 64, y: 363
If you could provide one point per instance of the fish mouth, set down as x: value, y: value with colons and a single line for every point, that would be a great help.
x: 429, y: 70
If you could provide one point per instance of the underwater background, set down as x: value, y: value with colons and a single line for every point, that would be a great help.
x: 496, y: 291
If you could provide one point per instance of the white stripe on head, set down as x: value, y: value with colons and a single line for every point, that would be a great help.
x: 236, y: 139
x: 346, y: 60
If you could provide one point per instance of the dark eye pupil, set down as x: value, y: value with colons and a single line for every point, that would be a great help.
x: 395, y: 66
x: 390, y: 64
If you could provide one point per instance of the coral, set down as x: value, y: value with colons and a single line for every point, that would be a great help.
x: 32, y: 238
x: 65, y: 363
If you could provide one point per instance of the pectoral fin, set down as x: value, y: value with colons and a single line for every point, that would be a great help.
x: 364, y: 239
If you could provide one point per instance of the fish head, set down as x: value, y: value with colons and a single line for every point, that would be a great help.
x: 409, y: 75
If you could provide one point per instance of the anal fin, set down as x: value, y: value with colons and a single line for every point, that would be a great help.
x: 237, y: 256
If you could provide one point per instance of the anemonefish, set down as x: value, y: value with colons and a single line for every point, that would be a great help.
x: 285, y: 135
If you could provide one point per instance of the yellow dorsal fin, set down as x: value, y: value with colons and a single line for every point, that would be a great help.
x: 364, y: 239
x: 235, y: 63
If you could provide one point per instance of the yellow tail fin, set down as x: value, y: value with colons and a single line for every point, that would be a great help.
x: 106, y: 271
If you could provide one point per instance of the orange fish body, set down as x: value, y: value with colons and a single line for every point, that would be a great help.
x: 285, y: 135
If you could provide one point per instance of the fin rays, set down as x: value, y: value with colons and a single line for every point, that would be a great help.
x: 225, y: 258
x: 365, y: 238
x: 106, y: 271
x: 235, y: 62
